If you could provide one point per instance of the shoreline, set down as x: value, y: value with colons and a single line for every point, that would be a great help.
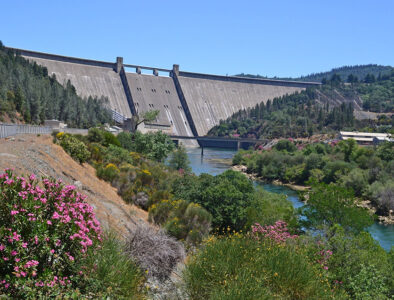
x: 384, y: 220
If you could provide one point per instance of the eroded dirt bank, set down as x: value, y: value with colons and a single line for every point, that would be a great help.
x: 37, y: 154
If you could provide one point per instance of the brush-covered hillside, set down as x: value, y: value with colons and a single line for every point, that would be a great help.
x: 28, y: 94
x: 328, y: 108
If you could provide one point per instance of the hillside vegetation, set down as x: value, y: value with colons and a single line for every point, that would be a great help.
x: 360, y: 71
x: 241, y: 242
x: 27, y: 93
x: 324, y: 109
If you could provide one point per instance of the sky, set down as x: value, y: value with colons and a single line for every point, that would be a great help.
x: 271, y: 38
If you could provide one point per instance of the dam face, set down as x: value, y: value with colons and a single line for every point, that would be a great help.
x: 190, y: 104
x: 158, y: 92
x: 214, y: 98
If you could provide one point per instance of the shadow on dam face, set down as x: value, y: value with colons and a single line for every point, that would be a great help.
x: 190, y: 104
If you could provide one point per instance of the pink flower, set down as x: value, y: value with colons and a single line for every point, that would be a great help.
x: 14, y: 212
x: 55, y: 215
x: 24, y: 245
x: 2, y: 247
x: 13, y: 253
x: 52, y: 251
x: 49, y: 222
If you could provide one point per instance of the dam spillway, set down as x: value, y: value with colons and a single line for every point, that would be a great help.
x: 190, y: 104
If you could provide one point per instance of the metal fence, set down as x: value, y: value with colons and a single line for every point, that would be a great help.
x: 14, y: 129
x: 7, y: 130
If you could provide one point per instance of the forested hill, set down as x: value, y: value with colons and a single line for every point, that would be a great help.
x: 324, y: 109
x: 359, y: 71
x: 27, y: 93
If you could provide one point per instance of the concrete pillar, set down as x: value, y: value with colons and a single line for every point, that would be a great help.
x: 138, y: 70
x: 119, y: 64
x: 155, y: 72
x: 175, y: 69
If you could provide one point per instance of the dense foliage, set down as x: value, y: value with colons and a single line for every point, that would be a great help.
x: 156, y: 146
x: 232, y: 199
x: 367, y: 172
x: 251, y: 253
x: 266, y: 265
x: 26, y: 88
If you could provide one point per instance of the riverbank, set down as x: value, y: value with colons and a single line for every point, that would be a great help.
x: 384, y: 220
x: 295, y: 187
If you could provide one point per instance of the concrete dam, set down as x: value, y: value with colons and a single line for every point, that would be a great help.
x: 190, y: 104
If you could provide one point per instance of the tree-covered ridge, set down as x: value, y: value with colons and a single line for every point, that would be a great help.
x: 324, y: 109
x: 296, y: 115
x: 27, y: 89
x: 361, y: 71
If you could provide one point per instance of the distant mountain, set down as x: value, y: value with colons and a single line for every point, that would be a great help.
x: 360, y: 71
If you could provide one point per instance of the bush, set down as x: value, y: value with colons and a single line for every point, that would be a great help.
x: 95, y: 135
x: 44, y: 234
x: 108, y: 173
x: 241, y: 267
x: 111, y: 273
x: 179, y: 160
x: 126, y: 140
x: 182, y: 220
x: 225, y: 196
x: 155, y: 146
x: 285, y: 145
x: 330, y: 204
x: 266, y: 208
x: 110, y: 139
x: 74, y: 147
x: 154, y: 251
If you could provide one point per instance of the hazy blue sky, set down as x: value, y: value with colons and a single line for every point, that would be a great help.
x: 274, y: 38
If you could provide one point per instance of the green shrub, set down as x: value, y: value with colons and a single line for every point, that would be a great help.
x: 266, y: 208
x: 330, y: 204
x: 110, y: 139
x: 225, y: 196
x: 108, y: 173
x: 182, y: 220
x: 111, y: 273
x: 285, y: 145
x: 74, y: 147
x: 240, y: 267
x: 126, y: 140
x: 95, y: 135
x: 179, y: 160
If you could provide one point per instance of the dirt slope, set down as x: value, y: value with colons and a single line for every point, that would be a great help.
x: 32, y: 154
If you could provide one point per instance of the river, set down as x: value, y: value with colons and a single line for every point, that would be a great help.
x: 212, y: 163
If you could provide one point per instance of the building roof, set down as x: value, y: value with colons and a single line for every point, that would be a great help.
x: 363, y: 134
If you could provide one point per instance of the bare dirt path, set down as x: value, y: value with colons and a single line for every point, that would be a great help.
x: 28, y: 154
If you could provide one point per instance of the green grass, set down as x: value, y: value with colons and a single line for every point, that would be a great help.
x: 111, y: 273
x: 240, y: 267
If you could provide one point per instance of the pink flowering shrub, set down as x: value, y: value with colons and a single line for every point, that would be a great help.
x: 278, y: 232
x: 45, y: 230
